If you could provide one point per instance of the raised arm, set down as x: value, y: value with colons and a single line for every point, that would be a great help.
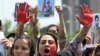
x: 62, y: 30
x: 22, y: 17
x: 33, y: 23
x: 61, y: 19
x: 85, y: 20
x: 74, y: 46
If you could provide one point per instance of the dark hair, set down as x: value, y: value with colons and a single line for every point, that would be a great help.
x: 48, y: 2
x: 97, y: 49
x: 0, y: 25
x: 88, y: 51
x: 84, y: 42
x: 30, y: 40
x: 53, y: 25
x: 48, y: 33
x: 11, y: 35
x: 96, y: 18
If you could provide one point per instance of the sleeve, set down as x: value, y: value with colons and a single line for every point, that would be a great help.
x: 75, y: 46
x: 65, y: 53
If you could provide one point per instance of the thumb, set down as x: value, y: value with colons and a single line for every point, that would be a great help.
x: 78, y: 18
x: 30, y: 16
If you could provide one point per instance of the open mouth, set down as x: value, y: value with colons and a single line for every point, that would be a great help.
x: 46, y: 50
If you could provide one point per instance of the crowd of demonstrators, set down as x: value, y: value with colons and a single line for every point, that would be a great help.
x: 75, y: 46
x: 60, y: 30
x: 48, y: 44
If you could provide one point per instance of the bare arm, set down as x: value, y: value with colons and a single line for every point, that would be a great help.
x: 62, y: 29
x: 86, y: 21
x: 33, y: 23
x: 22, y: 17
x: 63, y: 39
x: 81, y: 35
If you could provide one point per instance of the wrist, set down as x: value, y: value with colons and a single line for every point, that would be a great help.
x: 20, y: 27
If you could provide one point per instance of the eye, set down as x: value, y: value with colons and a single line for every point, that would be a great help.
x: 51, y: 42
x: 52, y: 31
x: 43, y: 42
x: 16, y: 47
x: 24, y: 48
x: 7, y: 48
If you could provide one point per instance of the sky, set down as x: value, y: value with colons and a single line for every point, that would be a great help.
x: 8, y: 7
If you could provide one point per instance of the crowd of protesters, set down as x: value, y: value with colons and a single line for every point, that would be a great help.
x: 54, y: 42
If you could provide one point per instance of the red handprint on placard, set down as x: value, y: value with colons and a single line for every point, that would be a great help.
x: 22, y: 13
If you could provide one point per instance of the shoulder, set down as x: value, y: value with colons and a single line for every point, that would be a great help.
x: 64, y: 53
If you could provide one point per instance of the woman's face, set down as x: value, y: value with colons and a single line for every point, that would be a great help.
x: 53, y: 29
x: 21, y: 48
x: 47, y: 46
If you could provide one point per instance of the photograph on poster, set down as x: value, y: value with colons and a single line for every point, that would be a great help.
x: 95, y: 28
x: 46, y: 8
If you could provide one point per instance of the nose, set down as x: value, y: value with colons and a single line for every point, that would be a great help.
x: 19, y: 51
x: 47, y: 43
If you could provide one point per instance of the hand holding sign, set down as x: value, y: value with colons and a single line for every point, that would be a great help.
x: 22, y: 13
x: 87, y: 17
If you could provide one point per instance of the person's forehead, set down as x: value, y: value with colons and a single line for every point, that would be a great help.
x: 53, y: 27
x: 22, y: 41
x: 11, y: 38
x: 47, y: 37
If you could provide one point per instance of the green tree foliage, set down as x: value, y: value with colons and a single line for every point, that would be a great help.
x: 6, y: 27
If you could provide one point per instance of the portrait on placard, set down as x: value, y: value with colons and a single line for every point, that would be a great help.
x: 46, y: 8
x: 95, y: 28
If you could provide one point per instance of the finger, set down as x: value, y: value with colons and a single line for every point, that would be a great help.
x: 17, y: 9
x: 59, y: 9
x: 27, y: 7
x: 4, y: 41
x: 87, y: 8
x: 30, y: 16
x: 79, y: 19
x: 91, y: 10
x: 82, y: 9
x: 22, y: 7
x: 35, y: 8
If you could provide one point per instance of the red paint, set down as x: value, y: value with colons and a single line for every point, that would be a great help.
x: 22, y: 13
